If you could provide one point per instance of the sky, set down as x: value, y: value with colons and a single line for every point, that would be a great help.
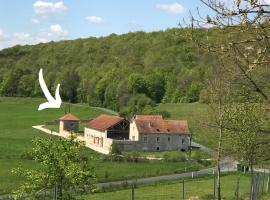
x: 35, y: 21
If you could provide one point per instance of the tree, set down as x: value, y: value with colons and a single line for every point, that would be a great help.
x: 194, y: 91
x: 155, y: 87
x: 26, y: 87
x: 243, y: 38
x: 219, y: 99
x: 243, y: 31
x: 247, y: 133
x: 62, y: 162
x: 136, y: 105
x: 70, y: 81
x: 137, y: 83
x: 10, y: 83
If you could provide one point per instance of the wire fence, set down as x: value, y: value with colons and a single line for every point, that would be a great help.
x: 234, y: 187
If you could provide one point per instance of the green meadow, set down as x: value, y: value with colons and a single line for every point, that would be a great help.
x: 17, y: 117
x: 195, y: 189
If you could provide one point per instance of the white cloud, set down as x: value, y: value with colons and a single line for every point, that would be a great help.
x: 3, y: 36
x: 57, y: 30
x: 35, y: 21
x: 174, y: 8
x: 48, y: 8
x: 22, y: 36
x: 53, y: 33
x: 95, y: 19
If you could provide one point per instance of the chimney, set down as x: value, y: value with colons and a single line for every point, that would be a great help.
x: 150, y: 124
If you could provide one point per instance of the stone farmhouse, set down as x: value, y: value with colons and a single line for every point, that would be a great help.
x: 143, y: 133
x: 157, y: 134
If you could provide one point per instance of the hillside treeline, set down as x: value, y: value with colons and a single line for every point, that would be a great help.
x: 118, y: 72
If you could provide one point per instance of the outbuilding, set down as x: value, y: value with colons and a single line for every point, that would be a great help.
x: 69, y: 123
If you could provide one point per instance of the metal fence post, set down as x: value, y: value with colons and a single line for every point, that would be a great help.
x: 214, y: 187
x: 55, y: 191
x: 262, y: 190
x: 251, y: 187
x: 258, y: 185
x: 132, y: 192
x: 237, y: 188
x: 267, y: 184
x: 183, y: 190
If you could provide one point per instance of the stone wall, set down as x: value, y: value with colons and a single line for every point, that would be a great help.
x: 164, y: 142
x: 69, y: 126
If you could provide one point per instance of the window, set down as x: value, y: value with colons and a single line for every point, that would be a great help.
x: 157, y: 148
x: 169, y: 138
x: 145, y: 139
x: 158, y: 139
x: 158, y: 130
x: 183, y: 140
x: 71, y: 124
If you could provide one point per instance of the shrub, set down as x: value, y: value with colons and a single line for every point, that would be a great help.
x: 26, y: 156
x: 166, y: 157
x: 115, y: 150
x: 106, y: 174
x: 135, y: 156
x: 204, y: 162
x: 196, y: 155
x: 178, y: 157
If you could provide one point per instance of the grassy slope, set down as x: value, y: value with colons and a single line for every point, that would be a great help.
x: 18, y: 115
x: 197, y: 115
x: 201, y: 188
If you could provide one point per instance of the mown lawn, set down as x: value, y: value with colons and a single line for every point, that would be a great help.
x: 17, y: 117
x: 197, y: 188
x: 198, y: 119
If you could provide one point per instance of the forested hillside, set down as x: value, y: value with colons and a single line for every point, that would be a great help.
x: 118, y: 71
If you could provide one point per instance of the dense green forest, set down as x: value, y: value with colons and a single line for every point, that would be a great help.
x: 122, y: 72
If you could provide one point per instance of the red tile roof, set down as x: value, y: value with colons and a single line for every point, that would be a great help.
x: 162, y: 126
x: 103, y: 122
x: 148, y: 117
x: 69, y: 117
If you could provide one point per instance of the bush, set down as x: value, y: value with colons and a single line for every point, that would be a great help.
x: 178, y: 157
x: 106, y: 174
x: 166, y: 157
x: 204, y: 162
x: 135, y: 156
x: 196, y: 155
x: 115, y: 150
x: 26, y: 156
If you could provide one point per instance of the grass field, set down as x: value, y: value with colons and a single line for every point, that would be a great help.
x: 198, y: 188
x: 17, y: 117
x: 198, y: 116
